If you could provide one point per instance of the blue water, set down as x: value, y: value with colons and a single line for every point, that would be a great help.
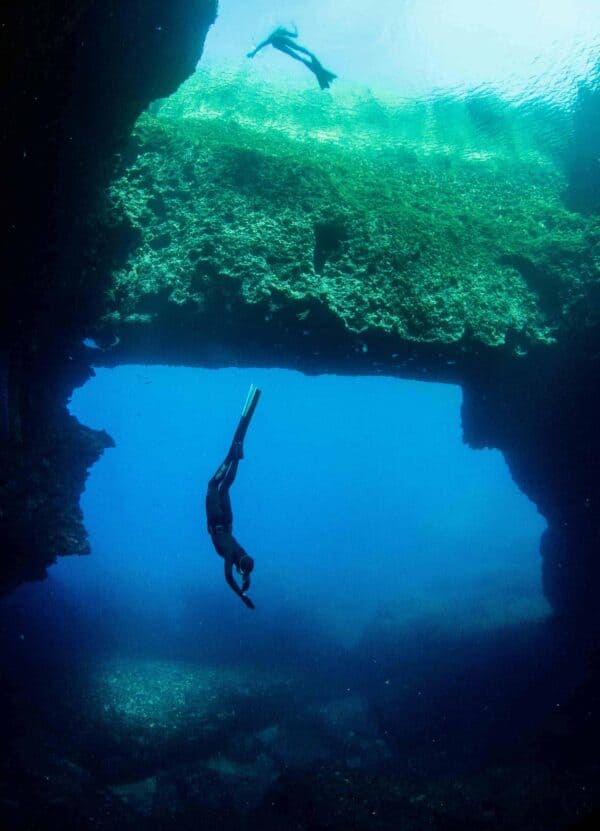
x: 356, y: 497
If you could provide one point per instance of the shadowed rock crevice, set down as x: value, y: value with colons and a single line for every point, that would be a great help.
x: 546, y: 286
x: 329, y: 236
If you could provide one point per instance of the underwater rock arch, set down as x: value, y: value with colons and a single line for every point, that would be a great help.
x: 224, y: 247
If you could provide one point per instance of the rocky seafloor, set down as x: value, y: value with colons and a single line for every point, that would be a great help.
x: 434, y: 741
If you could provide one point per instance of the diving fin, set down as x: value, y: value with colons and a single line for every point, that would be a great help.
x: 249, y: 399
x: 247, y: 413
x: 324, y: 76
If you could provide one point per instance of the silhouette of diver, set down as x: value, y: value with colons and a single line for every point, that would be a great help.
x: 218, y: 506
x: 282, y: 39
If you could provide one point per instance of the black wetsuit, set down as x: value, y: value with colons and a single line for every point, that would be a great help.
x: 219, y: 515
x: 283, y: 40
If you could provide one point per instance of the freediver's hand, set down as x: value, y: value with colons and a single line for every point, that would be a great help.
x: 247, y: 601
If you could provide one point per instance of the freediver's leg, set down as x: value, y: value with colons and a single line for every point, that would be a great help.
x: 230, y: 475
x: 225, y: 474
x: 220, y: 473
x: 303, y: 49
x: 217, y: 498
x: 289, y: 50
x: 323, y: 76
x: 225, y: 500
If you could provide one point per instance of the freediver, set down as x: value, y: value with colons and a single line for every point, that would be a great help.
x: 219, y: 515
x: 282, y: 39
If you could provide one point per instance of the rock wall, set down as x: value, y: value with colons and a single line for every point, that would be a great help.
x: 77, y: 75
x: 543, y: 414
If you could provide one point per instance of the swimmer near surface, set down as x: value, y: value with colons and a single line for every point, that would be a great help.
x: 285, y: 41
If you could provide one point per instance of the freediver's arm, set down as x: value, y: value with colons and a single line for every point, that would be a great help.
x: 230, y: 578
x: 260, y: 46
x: 234, y: 586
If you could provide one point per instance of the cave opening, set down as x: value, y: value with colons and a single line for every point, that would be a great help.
x: 352, y: 487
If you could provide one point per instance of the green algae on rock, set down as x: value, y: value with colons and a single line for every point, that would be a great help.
x: 241, y: 219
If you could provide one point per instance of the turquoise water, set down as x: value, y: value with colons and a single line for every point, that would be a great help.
x: 422, y: 47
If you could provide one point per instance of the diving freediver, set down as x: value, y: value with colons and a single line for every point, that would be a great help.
x: 283, y: 40
x: 219, y: 515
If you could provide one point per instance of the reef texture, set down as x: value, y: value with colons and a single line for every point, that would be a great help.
x: 423, y: 241
x: 426, y: 229
x: 77, y: 75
